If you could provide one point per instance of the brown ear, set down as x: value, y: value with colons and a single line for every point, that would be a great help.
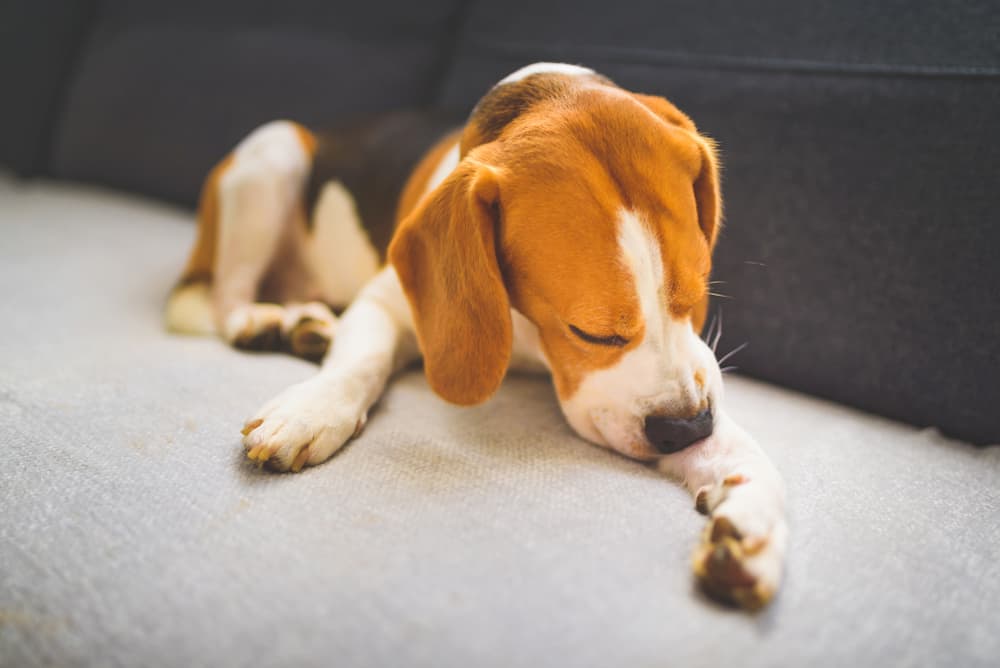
x: 445, y: 255
x: 668, y: 112
x: 706, y: 191
x: 706, y: 184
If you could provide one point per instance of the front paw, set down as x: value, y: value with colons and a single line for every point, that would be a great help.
x: 742, y: 550
x: 304, y: 425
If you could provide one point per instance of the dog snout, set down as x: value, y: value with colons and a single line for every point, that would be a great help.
x: 671, y: 434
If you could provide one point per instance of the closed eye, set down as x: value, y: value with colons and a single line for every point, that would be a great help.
x: 613, y: 340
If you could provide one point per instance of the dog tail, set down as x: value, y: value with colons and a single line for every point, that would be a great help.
x: 189, y: 306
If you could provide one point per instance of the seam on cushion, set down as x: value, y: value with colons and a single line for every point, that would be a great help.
x: 641, y: 56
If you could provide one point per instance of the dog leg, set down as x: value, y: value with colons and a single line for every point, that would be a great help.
x: 258, y: 194
x: 742, y: 551
x: 308, y: 422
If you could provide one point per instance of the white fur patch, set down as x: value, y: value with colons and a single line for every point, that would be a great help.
x: 449, y: 161
x: 641, y: 252
x: 319, y: 415
x: 657, y: 376
x: 387, y: 291
x: 276, y: 144
x: 545, y: 68
x: 526, y: 352
x: 189, y: 310
x: 338, y: 252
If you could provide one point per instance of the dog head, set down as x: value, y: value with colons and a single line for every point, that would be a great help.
x: 591, y: 211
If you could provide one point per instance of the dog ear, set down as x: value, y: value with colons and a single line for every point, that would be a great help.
x: 706, y: 191
x: 665, y: 110
x: 706, y: 183
x: 445, y: 255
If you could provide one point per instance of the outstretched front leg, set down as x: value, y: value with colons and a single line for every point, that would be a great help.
x: 741, y: 554
x: 308, y: 422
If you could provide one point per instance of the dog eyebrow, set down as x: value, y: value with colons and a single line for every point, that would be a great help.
x: 613, y: 340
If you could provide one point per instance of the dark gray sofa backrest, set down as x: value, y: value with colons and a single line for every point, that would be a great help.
x: 165, y: 88
x: 859, y: 141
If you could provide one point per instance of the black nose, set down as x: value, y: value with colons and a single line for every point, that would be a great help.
x: 669, y: 434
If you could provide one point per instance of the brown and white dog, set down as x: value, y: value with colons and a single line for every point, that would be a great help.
x: 567, y: 227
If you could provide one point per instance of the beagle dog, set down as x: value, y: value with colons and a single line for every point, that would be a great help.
x: 567, y: 227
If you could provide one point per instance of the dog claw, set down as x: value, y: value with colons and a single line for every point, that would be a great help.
x: 734, y: 479
x: 300, y: 460
x: 251, y: 425
x: 260, y: 454
x: 753, y: 545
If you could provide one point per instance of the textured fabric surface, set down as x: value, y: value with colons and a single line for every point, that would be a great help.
x: 958, y: 37
x: 133, y: 532
x: 164, y: 90
x: 859, y: 146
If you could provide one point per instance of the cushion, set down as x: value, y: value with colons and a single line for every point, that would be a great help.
x: 136, y: 533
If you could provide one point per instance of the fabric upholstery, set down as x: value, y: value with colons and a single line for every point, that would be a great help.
x: 134, y: 533
x: 39, y: 45
x: 164, y: 90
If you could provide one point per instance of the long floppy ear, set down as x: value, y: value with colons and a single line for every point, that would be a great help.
x: 446, y: 258
x: 706, y: 184
x: 665, y: 110
x: 706, y: 191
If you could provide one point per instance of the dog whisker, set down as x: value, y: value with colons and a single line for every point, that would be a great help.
x: 707, y: 338
x: 718, y: 334
x: 733, y: 352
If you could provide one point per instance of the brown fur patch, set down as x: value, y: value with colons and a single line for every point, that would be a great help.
x: 307, y: 139
x: 567, y: 155
x: 506, y: 102
x: 200, y: 266
x: 445, y: 256
x: 416, y: 186
x: 373, y: 160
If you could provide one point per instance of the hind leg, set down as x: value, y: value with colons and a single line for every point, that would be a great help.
x: 258, y: 198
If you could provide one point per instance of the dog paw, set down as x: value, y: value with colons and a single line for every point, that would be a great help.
x: 308, y: 329
x: 255, y: 327
x: 303, y: 329
x: 302, y: 426
x: 742, y: 550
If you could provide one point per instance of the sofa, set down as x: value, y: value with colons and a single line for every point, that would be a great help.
x: 858, y: 262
